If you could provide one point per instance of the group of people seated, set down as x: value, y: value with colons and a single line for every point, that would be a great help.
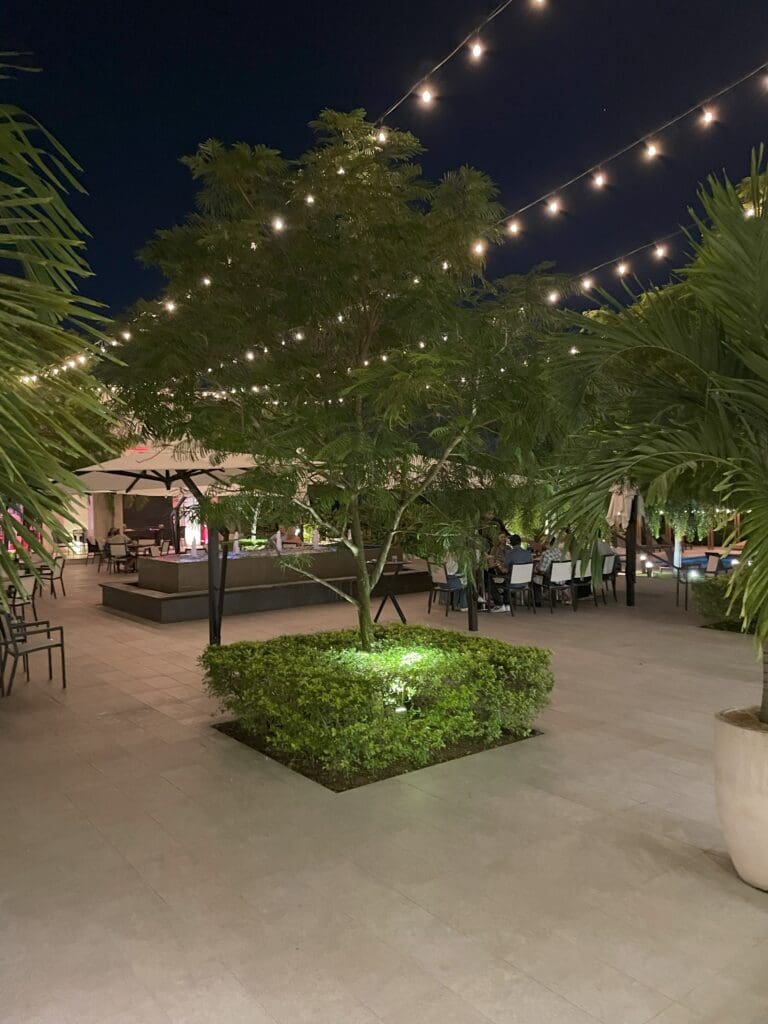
x: 504, y: 553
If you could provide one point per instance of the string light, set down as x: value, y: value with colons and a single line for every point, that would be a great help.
x: 299, y: 336
x: 278, y: 224
x: 170, y: 306
x: 476, y: 50
x: 587, y: 284
x: 622, y: 269
x: 340, y: 171
x: 660, y: 252
x: 206, y: 282
x: 125, y: 335
x: 513, y: 227
x: 599, y: 180
x: 445, y: 265
x: 426, y: 96
x: 707, y: 116
x: 553, y: 206
x: 309, y: 200
x: 249, y: 355
x: 651, y: 150
x: 382, y: 136
x: 478, y: 248
x: 553, y: 297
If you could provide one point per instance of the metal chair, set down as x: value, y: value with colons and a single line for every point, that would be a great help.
x: 20, y: 639
x: 93, y: 550
x: 118, y: 557
x: 520, y: 581
x: 440, y: 585
x: 559, y: 581
x: 54, y: 574
x: 19, y: 598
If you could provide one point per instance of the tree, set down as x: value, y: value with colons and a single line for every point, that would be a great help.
x: 49, y: 403
x: 689, y: 409
x: 330, y: 316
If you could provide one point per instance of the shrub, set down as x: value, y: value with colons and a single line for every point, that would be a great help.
x: 711, y: 601
x: 320, y: 702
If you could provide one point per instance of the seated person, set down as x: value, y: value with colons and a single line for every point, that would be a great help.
x: 118, y: 536
x: 515, y: 554
x: 456, y: 582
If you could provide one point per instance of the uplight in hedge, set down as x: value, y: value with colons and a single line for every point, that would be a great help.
x: 411, y: 658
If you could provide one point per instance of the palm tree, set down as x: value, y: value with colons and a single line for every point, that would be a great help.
x: 48, y: 335
x: 677, y: 389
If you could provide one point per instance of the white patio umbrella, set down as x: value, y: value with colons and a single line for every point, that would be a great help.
x: 168, y: 469
x: 163, y: 469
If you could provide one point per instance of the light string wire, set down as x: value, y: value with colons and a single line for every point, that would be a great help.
x: 459, y: 46
x: 645, y: 138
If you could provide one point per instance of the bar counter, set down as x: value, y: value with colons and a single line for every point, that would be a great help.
x: 174, y: 588
x: 178, y: 574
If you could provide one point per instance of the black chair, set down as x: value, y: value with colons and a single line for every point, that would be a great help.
x: 520, y: 581
x: 608, y: 578
x: 20, y: 598
x: 440, y: 585
x: 54, y: 574
x: 20, y: 639
x: 93, y: 551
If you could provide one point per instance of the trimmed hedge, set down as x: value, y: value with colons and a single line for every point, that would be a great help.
x: 710, y: 599
x: 320, y: 702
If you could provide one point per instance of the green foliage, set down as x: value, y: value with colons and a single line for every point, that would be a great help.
x: 357, y: 351
x: 50, y: 421
x: 321, y: 701
x: 713, y: 600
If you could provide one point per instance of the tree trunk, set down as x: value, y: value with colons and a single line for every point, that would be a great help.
x: 763, y: 713
x: 214, y: 586
x: 364, y: 618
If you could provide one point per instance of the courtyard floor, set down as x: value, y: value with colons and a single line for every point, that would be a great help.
x: 153, y: 870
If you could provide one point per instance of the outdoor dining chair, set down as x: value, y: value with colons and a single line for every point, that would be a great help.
x: 21, y: 598
x: 118, y: 557
x: 581, y: 581
x: 440, y: 585
x: 54, y: 574
x: 559, y: 581
x: 608, y: 578
x: 520, y: 581
x: 714, y: 566
x: 20, y: 639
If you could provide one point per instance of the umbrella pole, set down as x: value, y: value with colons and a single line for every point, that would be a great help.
x: 631, y: 566
x: 214, y: 586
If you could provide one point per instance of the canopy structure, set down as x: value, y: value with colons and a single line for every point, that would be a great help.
x: 162, y: 470
x: 171, y: 469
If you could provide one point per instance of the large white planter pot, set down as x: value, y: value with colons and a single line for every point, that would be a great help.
x: 741, y: 784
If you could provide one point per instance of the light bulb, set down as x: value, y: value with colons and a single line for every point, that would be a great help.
x: 749, y: 212
x: 417, y: 280
x: 278, y: 224
x: 707, y: 116
x: 125, y: 335
x: 445, y: 264
x: 553, y: 297
x: 573, y: 350
x: 660, y: 252
x: 384, y: 358
x: 553, y: 206
x: 622, y: 269
x: 382, y: 136
x: 299, y: 336
x: 599, y: 180
x: 170, y: 306
x: 206, y: 282
x: 250, y: 355
x: 587, y: 284
x: 514, y: 227
x: 309, y: 200
x: 81, y: 360
x: 476, y: 50
x: 340, y: 318
x: 422, y: 344
x: 478, y: 248
x: 426, y: 96
x: 651, y: 150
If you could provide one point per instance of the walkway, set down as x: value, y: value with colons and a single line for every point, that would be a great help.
x: 155, y: 871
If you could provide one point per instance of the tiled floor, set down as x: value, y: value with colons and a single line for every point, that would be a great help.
x: 152, y: 870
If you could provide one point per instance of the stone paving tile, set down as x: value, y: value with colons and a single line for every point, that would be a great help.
x: 156, y: 872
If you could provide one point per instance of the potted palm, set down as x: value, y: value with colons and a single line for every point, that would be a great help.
x: 681, y: 381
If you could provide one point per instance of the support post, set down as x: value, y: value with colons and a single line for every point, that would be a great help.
x: 472, y: 592
x: 214, y: 586
x: 631, y: 566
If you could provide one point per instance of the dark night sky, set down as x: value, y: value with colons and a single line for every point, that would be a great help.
x: 131, y: 86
